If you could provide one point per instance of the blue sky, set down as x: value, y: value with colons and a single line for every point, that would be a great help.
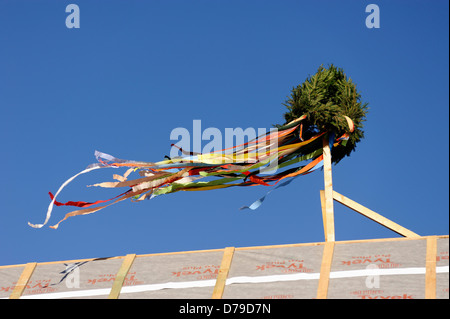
x: 135, y: 70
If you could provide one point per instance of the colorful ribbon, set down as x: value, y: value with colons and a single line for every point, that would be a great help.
x: 267, y: 160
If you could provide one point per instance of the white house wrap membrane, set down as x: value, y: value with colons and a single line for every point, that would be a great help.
x: 393, y: 268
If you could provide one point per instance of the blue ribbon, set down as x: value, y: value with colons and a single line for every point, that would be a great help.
x: 259, y: 202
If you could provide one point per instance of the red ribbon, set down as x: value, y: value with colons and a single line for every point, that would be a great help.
x: 81, y: 203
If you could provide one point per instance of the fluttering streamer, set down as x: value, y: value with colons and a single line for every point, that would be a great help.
x: 272, y: 159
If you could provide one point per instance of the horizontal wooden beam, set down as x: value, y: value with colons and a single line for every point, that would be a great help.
x: 374, y: 216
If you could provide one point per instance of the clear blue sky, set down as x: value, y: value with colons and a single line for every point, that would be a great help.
x: 135, y: 70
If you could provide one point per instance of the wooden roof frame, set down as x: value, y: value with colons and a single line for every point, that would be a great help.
x: 328, y: 196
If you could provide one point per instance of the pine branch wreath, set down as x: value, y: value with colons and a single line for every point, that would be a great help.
x: 325, y: 99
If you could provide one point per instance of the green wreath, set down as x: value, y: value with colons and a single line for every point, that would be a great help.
x: 326, y: 99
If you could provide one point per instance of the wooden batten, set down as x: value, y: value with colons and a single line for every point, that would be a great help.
x: 324, y: 213
x: 23, y: 281
x: 223, y: 273
x: 120, y: 277
x: 325, y: 268
x: 430, y: 272
x: 374, y: 216
x: 328, y: 193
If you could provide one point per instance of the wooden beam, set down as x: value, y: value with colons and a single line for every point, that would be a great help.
x: 23, y: 281
x: 430, y: 274
x: 328, y: 193
x: 223, y: 273
x: 325, y: 268
x: 121, y: 275
x: 324, y: 213
x: 374, y: 216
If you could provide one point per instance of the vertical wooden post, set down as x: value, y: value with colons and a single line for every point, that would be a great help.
x: 324, y: 213
x: 120, y: 277
x: 325, y: 268
x: 223, y: 273
x: 328, y: 194
x: 430, y: 274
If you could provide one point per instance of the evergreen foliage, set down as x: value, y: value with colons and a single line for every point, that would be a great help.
x: 325, y: 98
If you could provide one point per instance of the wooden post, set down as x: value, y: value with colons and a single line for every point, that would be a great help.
x: 324, y: 213
x: 325, y: 268
x: 328, y: 193
x: 23, y: 281
x: 430, y: 274
x: 120, y: 277
x: 223, y: 273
